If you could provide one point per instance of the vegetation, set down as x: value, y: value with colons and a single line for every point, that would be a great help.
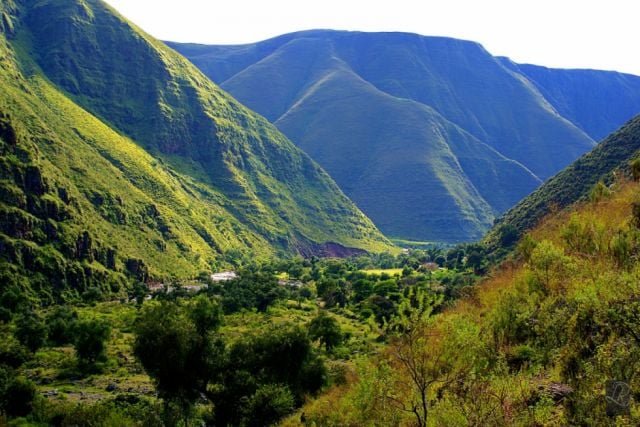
x: 534, y: 344
x: 110, y: 230
x: 248, y: 351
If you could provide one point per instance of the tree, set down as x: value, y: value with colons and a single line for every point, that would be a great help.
x: 268, y: 404
x: 425, y: 363
x: 508, y: 235
x: 31, y: 330
x: 263, y: 374
x: 252, y: 289
x: 178, y: 350
x: 90, y: 342
x: 19, y: 396
x: 61, y: 325
x: 325, y: 329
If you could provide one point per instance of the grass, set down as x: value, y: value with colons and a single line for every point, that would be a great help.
x: 55, y: 368
x: 387, y: 271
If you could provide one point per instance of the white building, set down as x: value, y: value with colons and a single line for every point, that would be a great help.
x: 224, y: 276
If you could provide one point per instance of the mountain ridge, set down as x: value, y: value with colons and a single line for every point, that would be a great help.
x: 491, y: 99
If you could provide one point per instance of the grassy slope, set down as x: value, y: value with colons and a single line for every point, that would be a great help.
x: 575, y: 182
x: 505, y: 128
x: 181, y: 212
x: 178, y: 112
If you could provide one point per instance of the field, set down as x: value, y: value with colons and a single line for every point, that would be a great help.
x: 380, y: 272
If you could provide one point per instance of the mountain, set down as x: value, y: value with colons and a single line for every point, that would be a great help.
x: 431, y: 137
x: 575, y: 182
x: 119, y: 160
x: 598, y: 102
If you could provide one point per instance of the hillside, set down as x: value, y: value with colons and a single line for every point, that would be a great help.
x: 575, y: 182
x: 370, y: 107
x: 598, y: 102
x: 549, y: 338
x: 119, y: 160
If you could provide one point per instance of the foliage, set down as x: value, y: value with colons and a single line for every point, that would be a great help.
x: 325, y: 329
x: 178, y: 351
x: 534, y: 344
x: 31, y: 330
x: 90, y: 338
x: 251, y: 290
x: 265, y: 376
x: 61, y: 324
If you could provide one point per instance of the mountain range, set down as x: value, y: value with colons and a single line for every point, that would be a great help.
x: 431, y: 137
x: 119, y: 160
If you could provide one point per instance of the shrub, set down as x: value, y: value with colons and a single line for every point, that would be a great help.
x: 599, y: 192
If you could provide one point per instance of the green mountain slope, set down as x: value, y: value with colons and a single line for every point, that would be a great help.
x: 575, y: 182
x: 417, y: 167
x: 306, y: 83
x: 120, y: 160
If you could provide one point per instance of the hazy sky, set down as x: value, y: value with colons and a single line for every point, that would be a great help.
x: 601, y: 34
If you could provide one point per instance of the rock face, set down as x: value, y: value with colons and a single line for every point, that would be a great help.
x: 431, y: 137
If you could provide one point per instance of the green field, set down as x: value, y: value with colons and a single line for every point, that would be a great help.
x: 379, y: 272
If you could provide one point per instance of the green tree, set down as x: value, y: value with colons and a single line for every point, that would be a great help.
x: 90, y: 342
x: 634, y: 165
x: 61, y: 325
x: 178, y: 350
x: 325, y: 329
x: 31, y: 330
x: 267, y: 405
x: 19, y: 396
x: 259, y: 374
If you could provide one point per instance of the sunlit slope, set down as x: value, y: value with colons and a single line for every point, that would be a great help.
x: 121, y: 161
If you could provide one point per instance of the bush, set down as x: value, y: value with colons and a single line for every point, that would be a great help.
x: 599, y: 192
x: 268, y: 404
x: 19, y: 397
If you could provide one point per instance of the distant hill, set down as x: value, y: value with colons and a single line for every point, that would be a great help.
x: 431, y: 137
x: 576, y: 181
x: 120, y: 161
x: 598, y: 102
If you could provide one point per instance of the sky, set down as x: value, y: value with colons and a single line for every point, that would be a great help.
x: 595, y: 34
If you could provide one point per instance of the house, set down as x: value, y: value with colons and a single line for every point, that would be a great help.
x: 224, y: 276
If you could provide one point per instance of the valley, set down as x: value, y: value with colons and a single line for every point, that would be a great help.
x: 325, y: 228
